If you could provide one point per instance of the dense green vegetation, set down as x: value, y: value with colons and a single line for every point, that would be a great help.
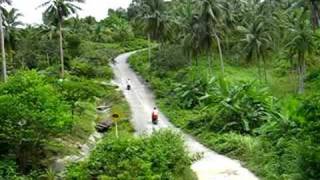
x: 42, y: 117
x: 241, y: 76
x: 242, y: 120
x: 160, y: 156
x: 56, y: 75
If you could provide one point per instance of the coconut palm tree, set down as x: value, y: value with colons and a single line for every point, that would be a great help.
x: 3, y: 52
x: 256, y: 42
x: 11, y: 23
x: 153, y: 16
x: 56, y: 11
x: 211, y: 18
x: 302, y: 42
x: 311, y: 6
x: 314, y: 13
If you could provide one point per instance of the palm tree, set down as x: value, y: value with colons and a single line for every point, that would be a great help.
x: 301, y: 42
x: 154, y: 18
x: 4, y: 65
x: 56, y: 11
x: 315, y: 13
x: 312, y: 6
x: 211, y: 18
x: 256, y: 42
x: 11, y: 23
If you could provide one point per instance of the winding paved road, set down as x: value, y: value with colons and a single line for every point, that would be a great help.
x: 212, y: 166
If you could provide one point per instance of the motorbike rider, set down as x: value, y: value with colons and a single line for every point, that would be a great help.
x: 155, y: 115
x: 128, y: 84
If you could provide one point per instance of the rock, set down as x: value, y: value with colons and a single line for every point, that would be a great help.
x: 92, y: 140
x: 85, y: 150
x: 103, y: 109
x: 97, y: 135
x: 58, y: 166
x: 104, y: 126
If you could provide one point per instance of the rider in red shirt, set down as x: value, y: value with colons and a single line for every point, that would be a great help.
x: 155, y: 116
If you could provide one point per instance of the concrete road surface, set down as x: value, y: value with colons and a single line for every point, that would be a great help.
x: 212, y: 166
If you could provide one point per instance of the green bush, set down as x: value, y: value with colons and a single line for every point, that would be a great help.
x: 81, y: 68
x: 73, y: 43
x: 31, y: 112
x: 135, y: 44
x: 239, y: 108
x: 190, y: 94
x: 170, y: 57
x: 160, y: 156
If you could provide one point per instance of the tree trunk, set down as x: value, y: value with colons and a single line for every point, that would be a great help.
x: 265, y: 70
x: 220, y: 54
x: 61, y: 50
x: 191, y: 65
x: 314, y: 15
x: 149, y: 49
x: 259, y: 70
x: 48, y: 60
x: 209, y: 66
x: 301, y: 72
x: 4, y: 65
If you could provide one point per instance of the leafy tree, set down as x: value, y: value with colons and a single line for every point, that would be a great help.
x: 120, y: 28
x: 74, y: 91
x: 31, y: 112
x: 56, y: 11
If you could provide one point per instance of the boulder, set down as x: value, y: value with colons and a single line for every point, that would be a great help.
x: 104, y: 126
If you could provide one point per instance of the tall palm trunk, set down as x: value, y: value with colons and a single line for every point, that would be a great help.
x: 149, y: 49
x: 61, y: 50
x: 314, y: 14
x: 191, y: 65
x: 259, y: 69
x: 220, y: 54
x: 210, y: 67
x: 48, y: 59
x: 265, y: 69
x: 301, y: 72
x: 4, y: 65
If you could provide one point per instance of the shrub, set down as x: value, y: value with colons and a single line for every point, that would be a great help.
x: 75, y: 90
x: 30, y: 111
x: 134, y: 44
x: 170, y: 57
x: 73, y: 45
x: 160, y: 156
x: 240, y: 108
x: 81, y: 68
x: 189, y: 95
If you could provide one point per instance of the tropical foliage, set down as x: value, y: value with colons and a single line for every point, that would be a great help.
x: 136, y: 158
x: 42, y: 117
x: 241, y: 76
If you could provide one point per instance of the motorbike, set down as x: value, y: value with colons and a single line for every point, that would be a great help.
x: 128, y: 87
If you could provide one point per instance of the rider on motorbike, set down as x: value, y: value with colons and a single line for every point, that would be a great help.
x: 128, y: 84
x: 155, y: 115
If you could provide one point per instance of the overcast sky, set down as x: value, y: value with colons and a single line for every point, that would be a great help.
x: 96, y: 8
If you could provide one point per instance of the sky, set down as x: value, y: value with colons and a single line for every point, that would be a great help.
x: 96, y: 8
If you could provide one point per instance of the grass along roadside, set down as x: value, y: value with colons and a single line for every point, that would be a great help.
x: 233, y: 117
